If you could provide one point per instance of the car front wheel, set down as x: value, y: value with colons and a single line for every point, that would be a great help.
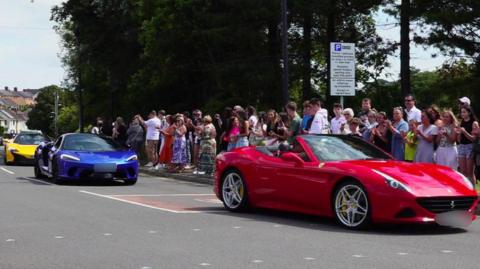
x: 351, y: 205
x: 234, y: 191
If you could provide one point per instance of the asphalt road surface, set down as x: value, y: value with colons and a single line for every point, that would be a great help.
x: 165, y: 223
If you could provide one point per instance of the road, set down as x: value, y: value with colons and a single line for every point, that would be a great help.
x: 164, y: 223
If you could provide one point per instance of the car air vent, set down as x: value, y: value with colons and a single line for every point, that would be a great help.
x: 445, y: 204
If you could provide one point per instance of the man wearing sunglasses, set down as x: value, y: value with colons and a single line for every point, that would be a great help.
x: 413, y: 113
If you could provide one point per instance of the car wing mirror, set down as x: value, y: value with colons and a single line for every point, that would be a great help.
x: 292, y: 157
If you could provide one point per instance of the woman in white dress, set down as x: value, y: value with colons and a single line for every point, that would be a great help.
x: 426, y: 134
x: 447, y: 153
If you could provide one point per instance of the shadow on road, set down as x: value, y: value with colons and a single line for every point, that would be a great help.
x: 81, y: 182
x: 329, y: 224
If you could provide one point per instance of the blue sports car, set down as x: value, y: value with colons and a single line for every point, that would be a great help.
x: 77, y: 156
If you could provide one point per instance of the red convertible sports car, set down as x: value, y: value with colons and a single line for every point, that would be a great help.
x: 343, y: 177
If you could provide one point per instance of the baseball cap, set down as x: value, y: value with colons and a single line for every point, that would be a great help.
x: 465, y: 100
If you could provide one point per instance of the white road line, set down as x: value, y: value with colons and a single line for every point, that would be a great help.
x: 152, y: 232
x: 37, y: 180
x: 6, y: 170
x: 257, y: 261
x: 309, y: 259
x: 59, y: 237
x: 166, y: 194
x: 402, y: 253
x: 358, y: 256
x: 107, y: 234
x: 447, y: 251
x: 139, y: 204
x: 204, y: 264
x: 196, y: 230
x: 237, y: 227
x: 10, y: 240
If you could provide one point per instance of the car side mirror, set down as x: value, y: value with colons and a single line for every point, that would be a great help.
x: 292, y: 157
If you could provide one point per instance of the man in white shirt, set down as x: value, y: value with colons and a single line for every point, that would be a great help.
x: 152, y: 125
x: 413, y: 113
x: 338, y: 120
x: 320, y: 120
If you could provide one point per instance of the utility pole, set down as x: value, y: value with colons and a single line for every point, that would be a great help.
x: 79, y: 81
x: 285, y: 51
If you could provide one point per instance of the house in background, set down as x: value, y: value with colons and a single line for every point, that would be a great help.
x: 14, y: 108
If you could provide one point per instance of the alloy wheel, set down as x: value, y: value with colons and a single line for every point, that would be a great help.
x: 351, y: 205
x: 233, y: 191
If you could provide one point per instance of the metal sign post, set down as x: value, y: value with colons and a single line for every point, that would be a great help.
x: 342, y: 70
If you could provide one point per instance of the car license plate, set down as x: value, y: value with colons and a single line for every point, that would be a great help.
x: 105, y: 168
x: 460, y: 219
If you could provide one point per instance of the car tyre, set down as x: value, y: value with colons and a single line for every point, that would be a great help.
x: 351, y: 205
x: 36, y: 170
x: 234, y: 191
x: 130, y: 181
x: 55, y: 176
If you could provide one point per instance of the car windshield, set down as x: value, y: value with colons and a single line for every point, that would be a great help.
x: 343, y: 148
x: 93, y: 143
x: 29, y: 139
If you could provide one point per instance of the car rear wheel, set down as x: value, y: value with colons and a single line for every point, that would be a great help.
x: 234, y: 191
x: 351, y: 205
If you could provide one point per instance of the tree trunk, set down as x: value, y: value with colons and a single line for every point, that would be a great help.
x: 307, y: 55
x: 331, y: 37
x: 405, y: 47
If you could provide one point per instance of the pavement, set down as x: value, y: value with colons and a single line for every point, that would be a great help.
x: 162, y: 222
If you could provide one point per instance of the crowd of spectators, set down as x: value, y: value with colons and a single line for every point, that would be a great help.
x: 179, y: 141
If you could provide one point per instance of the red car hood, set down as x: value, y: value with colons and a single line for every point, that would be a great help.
x: 424, y: 180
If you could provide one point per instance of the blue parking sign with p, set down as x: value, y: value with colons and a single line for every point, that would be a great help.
x: 338, y: 47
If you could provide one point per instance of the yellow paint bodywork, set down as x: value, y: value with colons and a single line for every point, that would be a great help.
x: 27, y: 151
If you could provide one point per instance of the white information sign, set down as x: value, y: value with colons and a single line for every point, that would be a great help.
x: 342, y: 69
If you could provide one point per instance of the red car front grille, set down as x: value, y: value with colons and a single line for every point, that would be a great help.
x: 445, y: 204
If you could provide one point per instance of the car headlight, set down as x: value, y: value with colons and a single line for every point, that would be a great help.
x: 67, y: 157
x: 393, y: 183
x: 132, y: 158
x: 466, y: 180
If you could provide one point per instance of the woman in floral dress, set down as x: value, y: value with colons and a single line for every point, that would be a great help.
x: 208, y: 146
x: 179, y: 159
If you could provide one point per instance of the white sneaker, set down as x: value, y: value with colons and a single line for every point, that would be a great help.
x: 201, y: 172
x: 149, y: 164
x: 157, y: 166
x: 195, y: 172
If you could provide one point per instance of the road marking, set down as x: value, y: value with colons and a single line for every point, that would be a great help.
x: 237, y: 227
x: 107, y: 234
x: 277, y: 226
x: 10, y: 240
x: 402, y: 253
x: 196, y: 230
x: 204, y: 264
x: 6, y: 170
x: 37, y: 180
x: 152, y: 232
x: 59, y: 237
x: 309, y: 258
x: 135, y: 203
x: 447, y: 251
x: 257, y: 261
x: 146, y: 267
x: 358, y: 256
x: 116, y: 197
x: 161, y: 195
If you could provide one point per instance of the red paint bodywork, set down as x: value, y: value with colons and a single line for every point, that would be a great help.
x: 282, y: 185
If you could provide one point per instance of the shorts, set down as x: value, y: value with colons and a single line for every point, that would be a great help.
x: 465, y: 151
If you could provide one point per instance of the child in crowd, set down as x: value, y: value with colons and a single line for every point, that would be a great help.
x: 411, y: 141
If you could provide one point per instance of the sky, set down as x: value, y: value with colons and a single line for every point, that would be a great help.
x: 30, y: 48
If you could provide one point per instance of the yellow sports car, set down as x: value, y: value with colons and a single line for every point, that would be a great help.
x: 22, y: 149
